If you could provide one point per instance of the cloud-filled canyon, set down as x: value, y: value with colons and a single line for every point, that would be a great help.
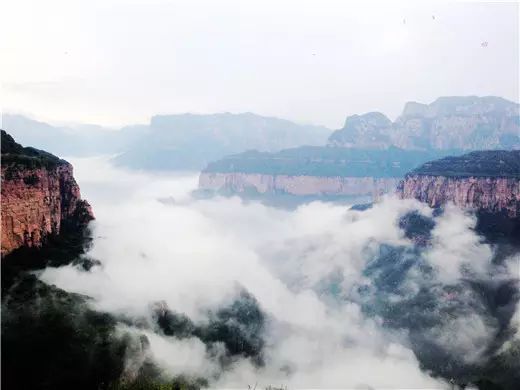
x: 348, y: 298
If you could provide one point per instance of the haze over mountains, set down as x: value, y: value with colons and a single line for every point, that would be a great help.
x: 455, y: 122
x: 191, y: 141
x: 177, y: 142
x: 432, y: 290
x: 216, y: 293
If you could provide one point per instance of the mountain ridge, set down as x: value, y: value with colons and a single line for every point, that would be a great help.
x: 463, y: 122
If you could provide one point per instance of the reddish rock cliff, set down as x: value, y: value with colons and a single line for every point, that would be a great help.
x: 483, y: 193
x: 39, y: 197
x: 300, y: 185
x: 486, y: 181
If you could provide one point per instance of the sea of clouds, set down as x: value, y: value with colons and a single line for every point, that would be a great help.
x: 158, y: 243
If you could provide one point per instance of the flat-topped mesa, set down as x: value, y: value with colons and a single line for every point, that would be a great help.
x: 40, y: 197
x: 450, y: 122
x: 313, y: 171
x: 487, y: 181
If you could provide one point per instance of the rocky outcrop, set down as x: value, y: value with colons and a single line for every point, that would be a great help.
x: 481, y: 193
x: 371, y: 130
x: 487, y: 181
x: 237, y: 182
x: 457, y: 122
x: 40, y: 197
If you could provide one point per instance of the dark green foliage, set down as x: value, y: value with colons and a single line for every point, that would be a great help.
x: 387, y: 296
x: 485, y: 163
x: 327, y: 161
x: 52, y: 340
x: 175, y: 324
x: 498, y: 227
x: 417, y: 227
x: 15, y: 156
x: 31, y: 180
x: 239, y: 326
x: 178, y: 383
x: 79, y: 218
x: 58, y: 250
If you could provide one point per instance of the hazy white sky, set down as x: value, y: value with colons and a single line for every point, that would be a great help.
x: 115, y: 62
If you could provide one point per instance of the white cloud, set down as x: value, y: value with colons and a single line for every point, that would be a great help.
x: 191, y: 254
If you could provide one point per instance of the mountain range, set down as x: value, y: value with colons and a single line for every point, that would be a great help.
x: 191, y: 141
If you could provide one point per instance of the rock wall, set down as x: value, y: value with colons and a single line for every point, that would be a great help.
x: 296, y: 185
x: 450, y: 122
x: 37, y: 202
x: 491, y: 194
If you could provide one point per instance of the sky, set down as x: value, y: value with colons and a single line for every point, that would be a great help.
x: 117, y: 62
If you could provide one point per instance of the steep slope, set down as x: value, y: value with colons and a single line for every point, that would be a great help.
x: 371, y: 130
x: 487, y: 181
x: 39, y: 197
x: 457, y: 122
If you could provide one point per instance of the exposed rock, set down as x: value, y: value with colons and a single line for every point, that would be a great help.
x: 314, y: 171
x: 39, y: 197
x: 486, y: 181
x: 364, y: 131
x: 296, y: 185
x: 458, y: 122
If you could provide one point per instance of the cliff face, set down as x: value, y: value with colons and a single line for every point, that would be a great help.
x: 487, y: 181
x: 458, y: 122
x: 314, y: 171
x: 296, y: 185
x: 39, y: 197
x: 483, y: 193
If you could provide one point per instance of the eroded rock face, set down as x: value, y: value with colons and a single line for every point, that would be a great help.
x: 38, y: 200
x: 485, y: 180
x: 492, y: 194
x: 456, y: 122
x: 296, y: 185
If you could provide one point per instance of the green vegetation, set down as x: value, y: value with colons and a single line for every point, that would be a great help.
x: 178, y: 383
x: 327, y: 161
x: 239, y: 326
x: 52, y: 340
x: 486, y: 163
x: 15, y: 156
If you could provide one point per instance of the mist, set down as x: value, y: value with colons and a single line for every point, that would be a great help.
x: 319, y: 273
x: 302, y: 60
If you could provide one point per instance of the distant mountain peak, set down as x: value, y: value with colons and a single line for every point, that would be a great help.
x: 449, y: 122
